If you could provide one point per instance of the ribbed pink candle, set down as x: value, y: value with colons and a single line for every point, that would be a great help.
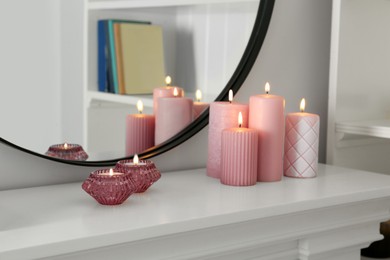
x: 301, y: 145
x: 139, y: 133
x: 173, y: 115
x: 266, y: 115
x: 199, y: 107
x: 223, y: 115
x: 239, y: 157
x: 164, y: 92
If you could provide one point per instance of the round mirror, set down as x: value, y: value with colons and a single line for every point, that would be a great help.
x: 210, y: 46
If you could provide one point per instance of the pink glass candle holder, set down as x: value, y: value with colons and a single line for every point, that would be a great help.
x: 109, y: 188
x: 67, y: 151
x: 144, y: 173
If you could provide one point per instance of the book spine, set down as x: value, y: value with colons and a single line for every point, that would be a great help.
x: 108, y: 60
x: 102, y: 58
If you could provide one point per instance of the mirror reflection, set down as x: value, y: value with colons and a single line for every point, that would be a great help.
x: 50, y: 87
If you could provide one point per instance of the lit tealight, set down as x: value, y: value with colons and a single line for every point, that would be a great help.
x: 198, y: 95
x: 140, y: 106
x: 302, y: 105
x: 267, y: 88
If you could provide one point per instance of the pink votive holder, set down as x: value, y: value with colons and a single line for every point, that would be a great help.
x: 67, y: 151
x: 144, y: 173
x: 109, y: 188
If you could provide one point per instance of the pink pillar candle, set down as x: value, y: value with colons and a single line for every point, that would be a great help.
x: 173, y: 115
x: 301, y: 145
x: 223, y: 115
x: 164, y: 92
x: 266, y: 115
x: 239, y: 157
x: 139, y: 133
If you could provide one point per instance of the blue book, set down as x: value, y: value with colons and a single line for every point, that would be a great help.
x: 109, y: 55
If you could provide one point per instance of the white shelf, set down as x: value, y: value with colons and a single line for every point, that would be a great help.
x: 373, y: 128
x: 147, y: 99
x: 120, y: 4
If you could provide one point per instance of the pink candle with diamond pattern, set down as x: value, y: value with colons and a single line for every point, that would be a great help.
x: 223, y: 115
x: 266, y: 115
x: 166, y: 91
x: 301, y: 144
x: 239, y: 156
x: 139, y: 131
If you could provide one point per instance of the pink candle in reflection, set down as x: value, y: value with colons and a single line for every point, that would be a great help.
x: 199, y: 106
x: 266, y: 115
x: 239, y: 156
x: 301, y: 144
x: 166, y: 91
x: 173, y: 115
x: 223, y: 115
x: 139, y: 131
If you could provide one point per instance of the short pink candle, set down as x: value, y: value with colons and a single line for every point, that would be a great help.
x: 301, y: 144
x: 139, y: 131
x: 199, y: 106
x: 239, y: 156
x: 266, y: 115
x: 166, y: 91
x: 173, y: 115
x: 223, y: 115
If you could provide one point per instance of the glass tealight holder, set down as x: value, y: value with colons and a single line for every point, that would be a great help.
x: 144, y: 173
x: 109, y: 188
x: 67, y: 151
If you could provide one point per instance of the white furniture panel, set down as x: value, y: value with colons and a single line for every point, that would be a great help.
x: 187, y: 215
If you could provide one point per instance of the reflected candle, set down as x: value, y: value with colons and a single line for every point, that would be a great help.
x: 239, y: 155
x: 199, y: 106
x: 166, y: 91
x: 266, y: 115
x: 223, y: 115
x: 139, y: 131
x: 173, y: 115
x: 67, y: 151
x: 301, y: 144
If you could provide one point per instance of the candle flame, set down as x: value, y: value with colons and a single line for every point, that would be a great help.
x: 230, y: 96
x: 65, y: 145
x: 302, y: 105
x: 240, y: 119
x: 168, y: 80
x: 198, y: 95
x: 135, y: 159
x: 267, y: 87
x: 140, y: 106
x: 175, y: 92
x: 111, y: 172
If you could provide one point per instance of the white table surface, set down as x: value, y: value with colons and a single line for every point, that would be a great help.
x: 59, y: 219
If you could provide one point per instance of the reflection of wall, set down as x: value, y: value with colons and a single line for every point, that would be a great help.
x: 29, y: 68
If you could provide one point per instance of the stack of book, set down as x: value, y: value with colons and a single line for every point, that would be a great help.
x: 130, y: 57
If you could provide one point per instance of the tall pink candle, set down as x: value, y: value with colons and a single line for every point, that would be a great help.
x: 239, y: 156
x: 173, y: 115
x: 223, y: 115
x: 301, y: 144
x: 139, y: 132
x: 266, y: 115
x: 166, y: 91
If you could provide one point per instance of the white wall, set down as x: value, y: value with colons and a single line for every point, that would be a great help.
x: 29, y: 72
x: 294, y: 58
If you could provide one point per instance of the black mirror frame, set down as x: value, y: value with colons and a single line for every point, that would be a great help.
x: 249, y: 57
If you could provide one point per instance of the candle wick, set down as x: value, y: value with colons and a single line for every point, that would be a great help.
x: 239, y: 125
x: 140, y: 112
x: 267, y: 92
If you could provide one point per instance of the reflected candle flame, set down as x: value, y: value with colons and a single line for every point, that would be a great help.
x: 168, y: 80
x: 140, y: 106
x: 65, y: 145
x: 230, y: 96
x: 198, y: 95
x: 302, y: 105
x: 175, y: 92
x: 267, y: 88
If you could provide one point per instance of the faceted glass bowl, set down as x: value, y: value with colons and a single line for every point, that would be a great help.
x: 73, y: 152
x: 109, y: 190
x: 144, y: 173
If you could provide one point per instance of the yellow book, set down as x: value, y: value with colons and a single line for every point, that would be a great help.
x: 142, y: 57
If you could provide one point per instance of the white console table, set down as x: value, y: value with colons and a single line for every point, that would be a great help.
x: 187, y: 215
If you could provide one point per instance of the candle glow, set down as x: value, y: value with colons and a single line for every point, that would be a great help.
x: 140, y: 106
x: 302, y: 105
x: 65, y: 146
x: 135, y: 159
x: 230, y: 96
x: 240, y: 120
x: 168, y: 80
x: 198, y: 95
x: 267, y: 88
x: 175, y: 92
